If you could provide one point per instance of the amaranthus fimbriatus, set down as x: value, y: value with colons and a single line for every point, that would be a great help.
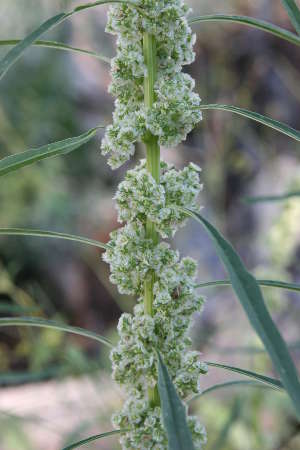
x: 155, y: 104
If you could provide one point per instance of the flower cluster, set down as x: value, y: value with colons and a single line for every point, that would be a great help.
x: 147, y: 430
x: 175, y: 111
x: 134, y: 358
x: 140, y: 197
x: 134, y: 256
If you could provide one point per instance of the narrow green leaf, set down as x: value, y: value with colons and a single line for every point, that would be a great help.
x: 293, y: 12
x: 250, y: 296
x: 50, y: 234
x: 272, y: 382
x: 92, y: 438
x: 249, y: 21
x: 103, y: 2
x: 19, y: 160
x: 228, y: 384
x: 251, y: 350
x: 16, y: 52
x: 263, y: 283
x: 43, y: 323
x: 173, y: 412
x: 57, y: 46
x: 278, y: 126
x: 271, y: 198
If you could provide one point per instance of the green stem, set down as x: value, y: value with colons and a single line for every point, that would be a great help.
x: 153, y: 166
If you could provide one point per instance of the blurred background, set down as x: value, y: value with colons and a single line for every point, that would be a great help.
x: 56, y: 388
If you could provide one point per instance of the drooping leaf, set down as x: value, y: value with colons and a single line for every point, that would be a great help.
x: 173, y: 412
x: 251, y: 349
x: 260, y: 380
x: 249, y: 21
x: 16, y: 52
x: 103, y: 2
x: 293, y: 12
x: 271, y: 123
x: 19, y: 160
x: 57, y: 46
x: 250, y: 297
x: 93, y: 438
x: 228, y: 384
x: 43, y: 323
x: 272, y: 382
x: 50, y: 234
x: 263, y: 283
x: 271, y: 198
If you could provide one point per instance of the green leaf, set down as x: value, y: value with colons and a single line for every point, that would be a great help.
x: 251, y: 350
x: 16, y: 52
x: 50, y: 234
x: 43, y: 323
x: 57, y: 46
x: 103, y: 2
x: 249, y: 21
x: 173, y: 412
x: 250, y: 297
x: 271, y: 382
x: 92, y: 438
x: 293, y: 12
x: 272, y: 198
x: 19, y: 160
x: 263, y: 283
x: 279, y: 126
x: 260, y: 381
x: 228, y: 384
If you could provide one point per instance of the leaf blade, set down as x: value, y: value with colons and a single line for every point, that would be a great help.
x: 272, y: 382
x: 44, y: 323
x: 228, y: 384
x: 293, y: 12
x: 28, y: 157
x: 50, y: 234
x: 92, y: 438
x: 173, y: 412
x: 57, y: 46
x: 249, y: 21
x: 251, y: 299
x: 16, y: 52
x: 263, y: 283
x: 103, y: 2
x: 271, y: 123
x: 271, y: 198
